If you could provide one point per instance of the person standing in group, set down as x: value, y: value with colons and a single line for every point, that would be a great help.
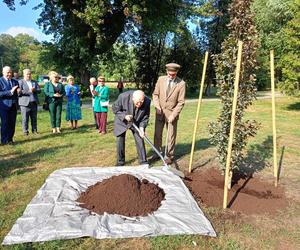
x: 16, y: 76
x: 54, y: 91
x: 131, y: 107
x: 168, y: 99
x: 93, y: 85
x: 9, y: 90
x: 101, y: 94
x: 120, y: 86
x: 28, y: 101
x: 73, y: 110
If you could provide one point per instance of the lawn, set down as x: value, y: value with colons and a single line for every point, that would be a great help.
x: 25, y: 166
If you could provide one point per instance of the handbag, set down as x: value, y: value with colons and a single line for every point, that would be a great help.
x: 45, y: 106
x: 104, y: 103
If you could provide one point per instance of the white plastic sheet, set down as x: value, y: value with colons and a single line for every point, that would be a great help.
x: 54, y: 213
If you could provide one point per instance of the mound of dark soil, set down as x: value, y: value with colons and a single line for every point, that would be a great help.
x: 123, y: 194
x: 249, y: 195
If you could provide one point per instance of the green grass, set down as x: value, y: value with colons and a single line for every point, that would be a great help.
x: 25, y: 166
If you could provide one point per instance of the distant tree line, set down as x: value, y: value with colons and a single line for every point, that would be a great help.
x: 133, y: 40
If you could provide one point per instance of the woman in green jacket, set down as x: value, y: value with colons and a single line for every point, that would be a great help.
x: 101, y: 94
x: 54, y: 92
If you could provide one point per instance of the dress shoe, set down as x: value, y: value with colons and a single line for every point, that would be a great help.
x: 154, y: 158
x: 168, y: 160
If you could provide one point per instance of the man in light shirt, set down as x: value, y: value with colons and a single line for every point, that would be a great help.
x: 9, y: 89
x: 28, y: 101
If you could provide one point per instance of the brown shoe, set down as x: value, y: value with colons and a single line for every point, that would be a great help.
x: 168, y: 160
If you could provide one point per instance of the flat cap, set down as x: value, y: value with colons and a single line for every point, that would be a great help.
x: 173, y: 66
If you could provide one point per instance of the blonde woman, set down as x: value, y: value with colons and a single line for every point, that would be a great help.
x: 101, y: 94
x: 73, y: 112
x: 93, y: 85
x: 54, y: 92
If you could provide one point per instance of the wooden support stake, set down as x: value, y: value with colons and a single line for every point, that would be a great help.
x: 232, y: 124
x: 198, y: 110
x: 274, y: 117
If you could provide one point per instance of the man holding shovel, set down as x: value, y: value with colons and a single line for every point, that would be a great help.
x: 131, y: 107
x: 168, y: 98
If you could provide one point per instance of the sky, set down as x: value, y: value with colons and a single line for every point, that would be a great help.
x: 22, y: 20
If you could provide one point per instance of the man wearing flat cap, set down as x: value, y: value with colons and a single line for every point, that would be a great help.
x: 168, y: 99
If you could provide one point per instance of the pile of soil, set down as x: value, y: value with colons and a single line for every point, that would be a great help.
x: 123, y: 194
x: 248, y: 195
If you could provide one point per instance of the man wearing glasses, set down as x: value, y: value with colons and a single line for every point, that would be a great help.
x: 168, y: 99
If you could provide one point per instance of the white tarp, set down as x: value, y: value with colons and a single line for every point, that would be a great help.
x: 54, y: 213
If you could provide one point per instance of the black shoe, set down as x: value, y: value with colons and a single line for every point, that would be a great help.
x: 154, y: 158
x: 26, y: 133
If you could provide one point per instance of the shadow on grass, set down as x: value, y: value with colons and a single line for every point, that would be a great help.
x: 257, y: 157
x: 22, y: 163
x: 65, y: 132
x: 183, y: 149
x: 280, y: 161
x: 294, y: 106
x: 256, y: 160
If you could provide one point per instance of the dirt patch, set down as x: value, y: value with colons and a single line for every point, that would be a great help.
x: 248, y: 195
x: 123, y: 194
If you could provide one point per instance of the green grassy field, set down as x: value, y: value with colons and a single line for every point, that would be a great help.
x: 25, y: 166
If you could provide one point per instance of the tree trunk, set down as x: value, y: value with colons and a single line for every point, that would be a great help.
x: 85, y: 77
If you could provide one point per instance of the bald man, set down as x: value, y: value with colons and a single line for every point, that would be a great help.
x: 9, y: 89
x: 131, y: 106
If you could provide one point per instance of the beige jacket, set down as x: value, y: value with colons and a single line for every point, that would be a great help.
x: 174, y: 102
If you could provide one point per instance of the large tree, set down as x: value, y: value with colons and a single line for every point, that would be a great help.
x: 83, y: 29
x: 9, y: 52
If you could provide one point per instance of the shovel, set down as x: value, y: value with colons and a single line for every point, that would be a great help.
x: 173, y: 170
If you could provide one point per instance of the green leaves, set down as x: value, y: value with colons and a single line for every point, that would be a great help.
x: 241, y: 27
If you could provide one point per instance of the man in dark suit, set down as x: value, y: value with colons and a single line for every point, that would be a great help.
x: 28, y: 101
x: 9, y: 89
x: 131, y: 107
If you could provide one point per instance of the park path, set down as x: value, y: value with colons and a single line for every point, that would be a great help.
x: 260, y: 96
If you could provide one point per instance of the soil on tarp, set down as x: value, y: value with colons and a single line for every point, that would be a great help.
x: 248, y: 195
x: 123, y: 194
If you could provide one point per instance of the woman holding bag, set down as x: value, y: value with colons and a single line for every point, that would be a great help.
x: 54, y: 92
x: 101, y: 94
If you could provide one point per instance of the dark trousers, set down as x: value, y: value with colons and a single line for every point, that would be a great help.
x: 27, y: 112
x: 101, y: 121
x: 8, y: 123
x: 140, y: 147
x: 55, y: 114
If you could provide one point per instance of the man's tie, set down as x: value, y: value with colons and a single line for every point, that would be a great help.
x: 10, y: 83
x: 169, y: 87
